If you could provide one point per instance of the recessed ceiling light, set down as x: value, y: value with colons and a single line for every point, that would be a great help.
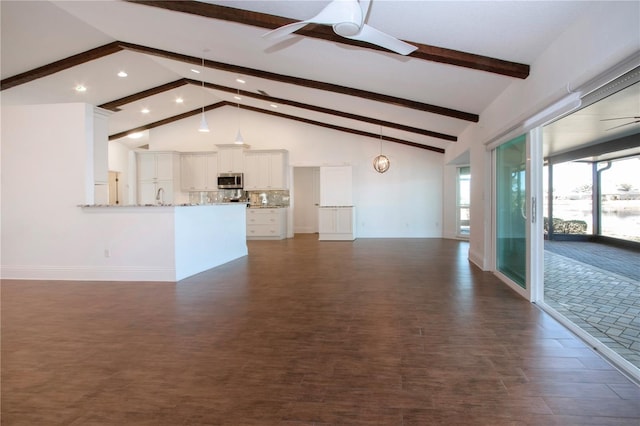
x: 145, y: 110
x: 136, y: 135
x: 274, y: 106
x: 179, y: 100
x: 237, y: 98
x: 122, y: 74
x: 80, y: 88
x: 194, y: 70
x: 241, y: 81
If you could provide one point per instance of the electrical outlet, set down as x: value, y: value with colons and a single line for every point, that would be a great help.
x: 107, y: 253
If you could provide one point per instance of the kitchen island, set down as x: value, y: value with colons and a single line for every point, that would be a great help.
x: 164, y: 242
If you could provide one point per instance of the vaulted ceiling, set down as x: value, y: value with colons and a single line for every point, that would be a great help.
x: 467, y: 54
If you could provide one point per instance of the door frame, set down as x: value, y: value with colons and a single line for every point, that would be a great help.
x: 532, y: 128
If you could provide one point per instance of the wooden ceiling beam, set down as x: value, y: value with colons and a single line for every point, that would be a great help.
x: 277, y: 114
x: 328, y: 111
x: 167, y: 120
x: 117, y: 46
x: 424, y: 51
x: 340, y: 128
x: 115, y: 105
x: 61, y: 65
x: 313, y: 84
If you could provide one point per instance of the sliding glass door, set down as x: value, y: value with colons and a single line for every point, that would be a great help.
x: 511, y: 210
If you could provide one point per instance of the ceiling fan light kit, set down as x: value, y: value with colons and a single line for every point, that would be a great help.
x: 347, y: 17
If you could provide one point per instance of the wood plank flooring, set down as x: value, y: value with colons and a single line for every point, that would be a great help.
x: 301, y: 332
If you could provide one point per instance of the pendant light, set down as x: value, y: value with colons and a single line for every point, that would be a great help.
x: 239, y: 139
x: 381, y: 163
x: 204, y: 127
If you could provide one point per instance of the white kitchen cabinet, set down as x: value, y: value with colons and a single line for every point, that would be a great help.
x: 231, y: 158
x: 199, y: 171
x: 158, y: 170
x: 337, y: 223
x: 266, y: 170
x: 148, y: 191
x: 336, y: 186
x: 266, y: 223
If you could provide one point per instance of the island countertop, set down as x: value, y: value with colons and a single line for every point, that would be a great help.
x: 154, y: 205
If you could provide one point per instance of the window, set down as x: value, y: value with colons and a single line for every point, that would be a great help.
x: 620, y: 198
x: 463, y: 200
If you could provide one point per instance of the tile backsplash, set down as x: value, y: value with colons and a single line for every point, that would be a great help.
x: 275, y: 198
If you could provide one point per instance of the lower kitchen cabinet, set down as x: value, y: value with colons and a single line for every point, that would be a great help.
x: 337, y: 223
x: 266, y: 223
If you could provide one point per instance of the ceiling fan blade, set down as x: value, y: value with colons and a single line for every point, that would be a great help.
x: 622, y: 125
x: 620, y: 118
x: 369, y: 34
x: 284, y: 30
x: 336, y: 12
x: 364, y: 5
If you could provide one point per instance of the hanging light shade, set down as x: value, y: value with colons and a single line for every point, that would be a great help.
x: 204, y: 127
x: 239, y: 140
x: 381, y: 163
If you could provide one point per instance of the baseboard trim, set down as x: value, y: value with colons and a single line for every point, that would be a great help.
x: 477, y: 259
x: 86, y: 273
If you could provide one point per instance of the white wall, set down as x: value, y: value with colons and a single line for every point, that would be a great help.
x: 604, y: 36
x: 40, y: 190
x: 406, y: 201
x: 44, y: 179
x: 47, y: 173
x: 450, y: 228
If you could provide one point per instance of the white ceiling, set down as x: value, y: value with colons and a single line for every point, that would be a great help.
x: 37, y: 33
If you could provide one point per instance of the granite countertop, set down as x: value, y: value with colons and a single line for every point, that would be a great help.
x: 153, y: 205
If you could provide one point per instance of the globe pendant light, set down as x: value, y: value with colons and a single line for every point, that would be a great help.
x: 204, y: 127
x: 381, y: 163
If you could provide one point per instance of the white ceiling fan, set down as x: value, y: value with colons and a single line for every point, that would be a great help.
x: 348, y: 20
x: 634, y: 119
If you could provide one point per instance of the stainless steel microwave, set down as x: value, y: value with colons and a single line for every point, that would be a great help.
x: 230, y: 181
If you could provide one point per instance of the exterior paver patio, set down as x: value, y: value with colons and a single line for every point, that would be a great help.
x: 605, y: 304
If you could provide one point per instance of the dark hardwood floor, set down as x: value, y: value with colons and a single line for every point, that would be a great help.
x: 301, y: 332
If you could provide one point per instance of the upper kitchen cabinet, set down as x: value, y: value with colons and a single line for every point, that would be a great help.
x: 199, y: 171
x: 336, y: 186
x: 266, y: 170
x: 231, y: 158
x: 158, y: 177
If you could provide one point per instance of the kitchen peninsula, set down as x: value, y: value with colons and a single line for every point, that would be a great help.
x: 167, y: 242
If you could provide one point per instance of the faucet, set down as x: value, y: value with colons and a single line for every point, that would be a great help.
x: 160, y: 196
